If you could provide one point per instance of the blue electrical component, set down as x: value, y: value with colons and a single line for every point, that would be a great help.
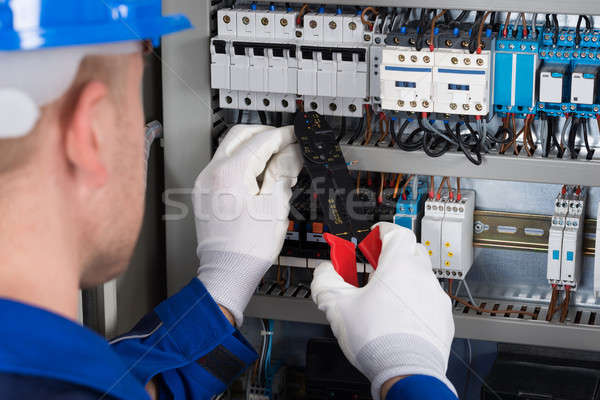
x: 575, y: 68
x: 410, y: 211
x: 516, y: 63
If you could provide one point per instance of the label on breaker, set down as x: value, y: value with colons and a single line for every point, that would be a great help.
x: 315, y: 237
x: 292, y: 236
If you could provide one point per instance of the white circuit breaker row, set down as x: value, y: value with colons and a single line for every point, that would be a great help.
x: 565, y: 239
x: 443, y: 81
x: 447, y: 234
x: 263, y: 60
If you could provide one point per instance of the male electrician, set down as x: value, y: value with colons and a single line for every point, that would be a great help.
x: 72, y: 175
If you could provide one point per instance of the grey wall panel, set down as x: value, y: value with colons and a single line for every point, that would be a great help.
x: 187, y: 127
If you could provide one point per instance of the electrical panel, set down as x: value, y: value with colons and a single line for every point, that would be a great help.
x: 436, y: 92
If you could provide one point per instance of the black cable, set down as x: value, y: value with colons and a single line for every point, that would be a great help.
x: 240, y: 116
x: 342, y: 129
x: 430, y: 145
x: 421, y: 29
x: 409, y: 144
x: 590, y: 152
x: 549, y: 134
x: 502, y: 136
x: 572, y: 136
x: 448, y: 17
x: 477, y: 160
x: 588, y: 22
x: 461, y: 17
x: 474, y: 30
x: 556, y: 29
x: 358, y: 131
x: 547, y: 24
x: 578, y: 31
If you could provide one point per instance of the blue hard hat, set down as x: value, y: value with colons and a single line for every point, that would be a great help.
x: 37, y: 24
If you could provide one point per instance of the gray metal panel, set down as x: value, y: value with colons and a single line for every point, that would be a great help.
x: 509, y: 330
x: 547, y: 6
x: 187, y: 129
x: 499, y: 167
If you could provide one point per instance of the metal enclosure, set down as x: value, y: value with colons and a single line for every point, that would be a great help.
x: 189, y: 122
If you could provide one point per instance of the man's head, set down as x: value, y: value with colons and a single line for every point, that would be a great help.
x: 85, y: 160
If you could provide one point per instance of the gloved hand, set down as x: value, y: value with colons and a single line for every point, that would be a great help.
x: 240, y: 224
x: 400, y: 323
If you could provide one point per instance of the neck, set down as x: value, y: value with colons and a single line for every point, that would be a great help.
x: 38, y: 265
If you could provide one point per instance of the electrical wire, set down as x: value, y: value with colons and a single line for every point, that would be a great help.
x: 458, y: 193
x: 556, y: 29
x: 472, y: 152
x: 515, y: 30
x: 421, y: 29
x: 405, y: 186
x: 524, y: 22
x: 480, y: 31
x: 534, y: 31
x: 565, y: 304
x: 590, y: 151
x: 397, y: 185
x: 488, y: 311
x: 433, y: 22
x: 568, y: 121
x: 381, y: 185
x: 299, y: 19
x: 365, y: 21
x: 578, y: 31
x: 553, y: 299
x: 240, y: 116
x: 506, y: 25
x: 438, y: 194
x: 572, y: 136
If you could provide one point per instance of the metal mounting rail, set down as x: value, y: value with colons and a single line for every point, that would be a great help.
x: 580, y: 331
x: 496, y: 167
x: 542, y: 6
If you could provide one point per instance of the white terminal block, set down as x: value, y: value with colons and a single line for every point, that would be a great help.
x: 313, y: 27
x: 227, y: 22
x: 457, y: 236
x: 326, y: 74
x: 352, y: 29
x: 406, y: 79
x: 285, y: 25
x: 566, y: 239
x: 462, y: 82
x: 228, y: 99
x: 246, y: 24
x: 431, y: 230
x: 333, y: 28
x: 555, y: 239
x: 572, y: 255
x: 265, y: 24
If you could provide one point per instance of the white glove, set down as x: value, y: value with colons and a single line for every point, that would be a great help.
x: 240, y: 225
x: 400, y: 323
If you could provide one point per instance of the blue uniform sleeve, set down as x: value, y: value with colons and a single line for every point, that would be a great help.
x: 420, y: 387
x: 188, y: 344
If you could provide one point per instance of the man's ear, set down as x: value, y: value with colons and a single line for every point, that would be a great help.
x: 82, y: 141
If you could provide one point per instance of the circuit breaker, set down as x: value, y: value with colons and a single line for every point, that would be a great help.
x: 447, y: 234
x: 565, y: 238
